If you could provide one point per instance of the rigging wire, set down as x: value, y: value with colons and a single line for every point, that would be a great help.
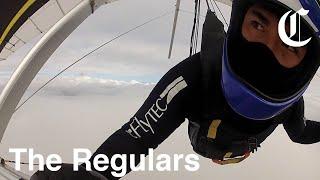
x: 196, y: 22
x: 4, y: 161
x: 217, y: 6
x: 89, y: 53
x: 208, y: 4
x: 195, y: 28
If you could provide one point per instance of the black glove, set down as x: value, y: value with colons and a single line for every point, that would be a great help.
x: 66, y: 173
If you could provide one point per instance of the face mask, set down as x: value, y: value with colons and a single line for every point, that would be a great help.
x: 256, y: 64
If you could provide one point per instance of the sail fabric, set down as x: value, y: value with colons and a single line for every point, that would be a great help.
x: 23, y: 20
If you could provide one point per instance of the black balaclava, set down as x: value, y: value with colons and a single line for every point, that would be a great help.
x: 256, y: 65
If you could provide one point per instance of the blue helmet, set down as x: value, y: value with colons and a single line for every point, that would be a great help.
x: 252, y: 98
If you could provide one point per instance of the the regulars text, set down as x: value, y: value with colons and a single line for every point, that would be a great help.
x: 101, y: 162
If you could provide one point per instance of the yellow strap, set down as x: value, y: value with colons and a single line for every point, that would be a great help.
x: 212, y: 132
x: 228, y: 155
x: 24, y: 8
x: 231, y: 160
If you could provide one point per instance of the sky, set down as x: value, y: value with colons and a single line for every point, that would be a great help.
x: 90, y: 101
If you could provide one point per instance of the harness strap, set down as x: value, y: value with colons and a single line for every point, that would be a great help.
x: 227, y: 160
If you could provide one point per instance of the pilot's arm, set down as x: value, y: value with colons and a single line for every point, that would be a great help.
x: 299, y: 129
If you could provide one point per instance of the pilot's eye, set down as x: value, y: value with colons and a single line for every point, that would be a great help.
x: 257, y: 25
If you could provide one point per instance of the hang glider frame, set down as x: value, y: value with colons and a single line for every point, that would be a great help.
x: 39, y: 55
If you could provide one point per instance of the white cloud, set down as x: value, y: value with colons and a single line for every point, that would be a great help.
x: 85, y: 85
x: 80, y: 86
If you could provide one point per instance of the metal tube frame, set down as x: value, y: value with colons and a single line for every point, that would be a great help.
x: 31, y: 65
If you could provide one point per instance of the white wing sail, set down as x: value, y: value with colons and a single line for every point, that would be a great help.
x: 45, y: 15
